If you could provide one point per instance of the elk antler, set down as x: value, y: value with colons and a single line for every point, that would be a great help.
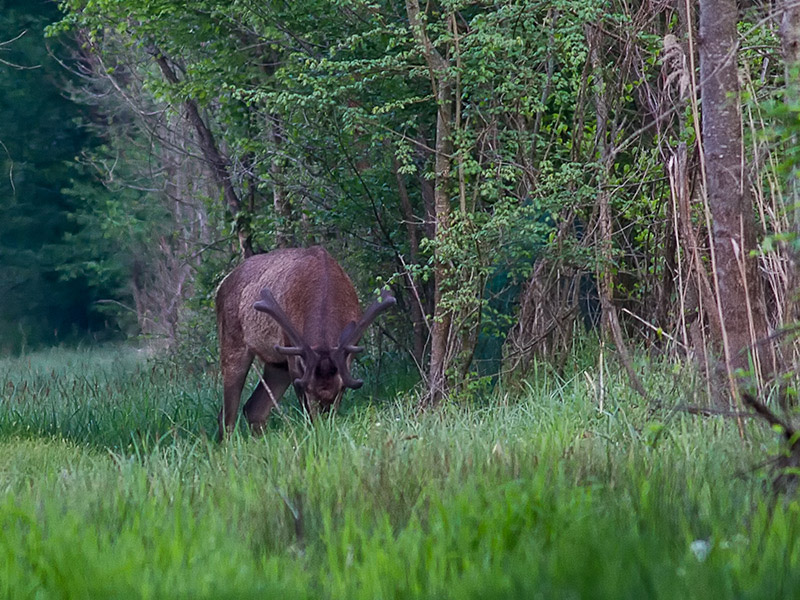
x: 347, y: 334
x: 352, y: 333
x: 269, y: 305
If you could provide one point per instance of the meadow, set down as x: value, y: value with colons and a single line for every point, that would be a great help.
x: 113, y: 486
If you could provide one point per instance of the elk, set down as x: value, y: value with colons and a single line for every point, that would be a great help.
x: 297, y: 310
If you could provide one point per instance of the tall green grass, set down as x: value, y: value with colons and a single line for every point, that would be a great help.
x: 110, y: 487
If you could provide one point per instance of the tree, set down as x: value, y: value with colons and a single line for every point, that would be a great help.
x: 790, y: 47
x: 740, y: 302
x: 443, y: 88
x: 40, y: 137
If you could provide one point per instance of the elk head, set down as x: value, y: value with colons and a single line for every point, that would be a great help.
x: 321, y: 373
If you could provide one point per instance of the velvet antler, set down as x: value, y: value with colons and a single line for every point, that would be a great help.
x: 352, y: 333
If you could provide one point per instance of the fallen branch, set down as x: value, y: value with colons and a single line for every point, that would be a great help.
x: 705, y: 411
x: 765, y: 413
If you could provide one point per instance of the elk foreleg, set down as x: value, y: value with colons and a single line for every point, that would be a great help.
x: 266, y: 395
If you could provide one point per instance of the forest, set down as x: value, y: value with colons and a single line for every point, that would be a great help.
x: 587, y: 211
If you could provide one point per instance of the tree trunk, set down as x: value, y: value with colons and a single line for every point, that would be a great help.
x: 740, y: 299
x: 790, y: 46
x: 440, y: 334
x: 443, y: 91
x: 790, y: 41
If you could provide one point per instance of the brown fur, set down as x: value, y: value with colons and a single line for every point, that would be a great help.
x: 318, y: 298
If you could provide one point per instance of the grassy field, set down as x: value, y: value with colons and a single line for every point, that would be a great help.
x: 111, y: 486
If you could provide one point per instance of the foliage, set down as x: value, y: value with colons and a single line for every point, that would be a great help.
x: 354, y: 108
x: 504, y: 190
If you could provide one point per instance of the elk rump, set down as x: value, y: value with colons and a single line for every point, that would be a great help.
x: 297, y: 310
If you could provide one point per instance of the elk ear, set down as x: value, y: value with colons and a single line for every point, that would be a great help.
x: 340, y: 359
x: 353, y: 383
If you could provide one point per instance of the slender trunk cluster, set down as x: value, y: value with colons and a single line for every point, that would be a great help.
x: 605, y: 243
x: 218, y: 163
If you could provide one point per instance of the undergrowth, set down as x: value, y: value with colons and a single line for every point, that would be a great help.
x: 111, y: 486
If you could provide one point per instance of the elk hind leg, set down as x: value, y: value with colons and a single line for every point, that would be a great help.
x: 264, y: 399
x: 234, y: 373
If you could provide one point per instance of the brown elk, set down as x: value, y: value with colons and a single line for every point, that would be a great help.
x: 297, y: 310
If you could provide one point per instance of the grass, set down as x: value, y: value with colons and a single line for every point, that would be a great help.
x: 111, y: 487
